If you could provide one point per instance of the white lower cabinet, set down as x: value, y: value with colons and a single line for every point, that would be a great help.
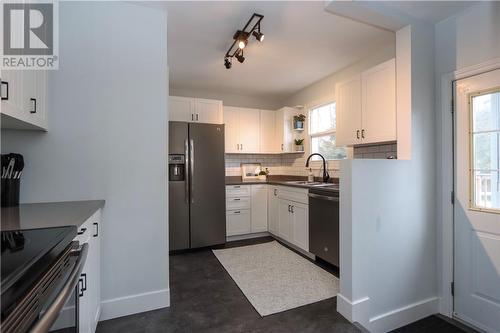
x: 284, y: 220
x: 90, y: 280
x: 293, y: 216
x: 238, y: 222
x: 89, y: 284
x: 300, y: 225
x: 246, y: 209
x: 273, y: 203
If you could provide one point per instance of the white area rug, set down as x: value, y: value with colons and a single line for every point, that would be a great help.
x: 274, y: 278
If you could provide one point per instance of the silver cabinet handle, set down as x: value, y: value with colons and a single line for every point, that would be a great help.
x: 191, y: 161
x: 192, y: 117
x: 6, y: 84
x: 186, y: 172
x: 241, y: 146
x: 291, y: 209
x: 197, y: 116
x: 282, y: 147
x: 237, y: 146
x: 237, y: 212
x: 362, y: 133
x: 236, y: 199
x: 275, y: 192
x: 33, y: 101
x: 357, y: 134
x: 237, y: 186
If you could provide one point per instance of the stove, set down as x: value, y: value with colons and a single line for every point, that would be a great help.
x: 26, y: 255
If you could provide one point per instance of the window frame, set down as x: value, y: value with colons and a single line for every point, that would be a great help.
x: 472, y: 170
x: 324, y: 133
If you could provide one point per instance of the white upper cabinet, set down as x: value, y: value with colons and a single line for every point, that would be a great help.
x: 366, y: 106
x: 180, y: 108
x: 379, y: 103
x: 208, y: 111
x: 242, y: 132
x: 195, y: 110
x: 268, y: 131
x: 349, y: 112
x: 24, y: 99
x: 284, y: 129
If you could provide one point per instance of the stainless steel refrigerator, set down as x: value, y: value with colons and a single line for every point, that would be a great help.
x: 197, y: 195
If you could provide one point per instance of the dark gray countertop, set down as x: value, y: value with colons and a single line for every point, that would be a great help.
x: 274, y: 180
x: 50, y: 214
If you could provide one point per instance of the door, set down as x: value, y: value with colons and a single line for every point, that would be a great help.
x: 231, y: 122
x: 300, y: 225
x: 379, y: 103
x: 208, y: 111
x: 180, y: 108
x: 207, y: 185
x: 273, y: 210
x: 178, y: 190
x: 349, y: 112
x: 249, y: 129
x: 268, y: 131
x: 259, y: 208
x: 284, y: 220
x: 477, y: 205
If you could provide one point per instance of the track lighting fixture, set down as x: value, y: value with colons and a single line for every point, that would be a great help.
x: 240, y: 40
x: 240, y: 57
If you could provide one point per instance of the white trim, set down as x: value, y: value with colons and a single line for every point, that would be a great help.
x: 446, y: 181
x: 404, y: 315
x: 247, y: 236
x: 127, y: 305
x: 354, y: 311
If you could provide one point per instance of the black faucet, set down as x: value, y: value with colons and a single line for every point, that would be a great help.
x: 326, y: 176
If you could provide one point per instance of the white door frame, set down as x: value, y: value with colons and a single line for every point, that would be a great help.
x: 445, y: 241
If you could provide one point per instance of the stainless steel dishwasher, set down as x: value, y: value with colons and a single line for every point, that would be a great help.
x: 324, y: 223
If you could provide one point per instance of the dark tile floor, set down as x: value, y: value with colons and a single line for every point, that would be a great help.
x: 204, y: 298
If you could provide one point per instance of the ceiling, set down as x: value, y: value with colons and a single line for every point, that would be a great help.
x: 303, y: 44
x: 430, y: 11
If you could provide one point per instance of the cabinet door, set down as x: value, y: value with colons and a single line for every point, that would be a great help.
x: 180, y: 108
x: 13, y: 82
x: 300, y: 225
x: 249, y: 130
x: 259, y: 208
x: 278, y: 139
x: 94, y: 281
x: 231, y: 132
x: 379, y: 103
x: 208, y: 111
x: 348, y: 111
x: 284, y: 220
x: 238, y: 222
x: 268, y: 131
x: 35, y: 96
x: 273, y: 210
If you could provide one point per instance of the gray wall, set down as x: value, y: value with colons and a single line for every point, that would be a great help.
x: 107, y: 140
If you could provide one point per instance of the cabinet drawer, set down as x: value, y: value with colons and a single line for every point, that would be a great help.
x: 233, y: 203
x: 238, y: 222
x: 294, y: 194
x: 237, y: 191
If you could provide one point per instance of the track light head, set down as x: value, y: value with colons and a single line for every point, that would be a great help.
x: 242, y: 43
x: 227, y: 63
x: 240, y: 56
x: 258, y: 35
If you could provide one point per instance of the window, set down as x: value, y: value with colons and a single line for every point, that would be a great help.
x: 322, y: 126
x: 485, y: 139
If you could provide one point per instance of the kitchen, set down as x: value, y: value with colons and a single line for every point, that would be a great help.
x: 259, y: 176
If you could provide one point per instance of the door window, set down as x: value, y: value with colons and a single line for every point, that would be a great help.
x: 485, y: 145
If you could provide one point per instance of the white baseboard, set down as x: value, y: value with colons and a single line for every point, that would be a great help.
x: 247, y: 236
x: 356, y: 311
x: 359, y: 311
x: 124, y: 306
x: 403, y: 316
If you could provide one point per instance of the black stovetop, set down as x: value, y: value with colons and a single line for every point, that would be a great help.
x: 26, y: 255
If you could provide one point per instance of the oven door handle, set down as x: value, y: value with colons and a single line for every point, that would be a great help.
x: 323, y: 197
x: 50, y: 316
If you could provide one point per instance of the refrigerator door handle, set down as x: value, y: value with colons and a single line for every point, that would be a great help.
x: 186, y: 171
x: 191, y: 163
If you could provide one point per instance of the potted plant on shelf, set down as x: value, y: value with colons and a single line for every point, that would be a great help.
x: 299, y: 144
x: 298, y: 121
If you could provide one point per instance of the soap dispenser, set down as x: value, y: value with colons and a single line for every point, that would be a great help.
x: 310, y: 177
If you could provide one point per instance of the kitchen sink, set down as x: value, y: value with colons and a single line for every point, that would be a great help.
x: 301, y: 182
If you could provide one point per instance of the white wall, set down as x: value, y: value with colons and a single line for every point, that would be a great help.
x: 230, y: 99
x: 466, y: 39
x: 388, y: 210
x: 107, y: 139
